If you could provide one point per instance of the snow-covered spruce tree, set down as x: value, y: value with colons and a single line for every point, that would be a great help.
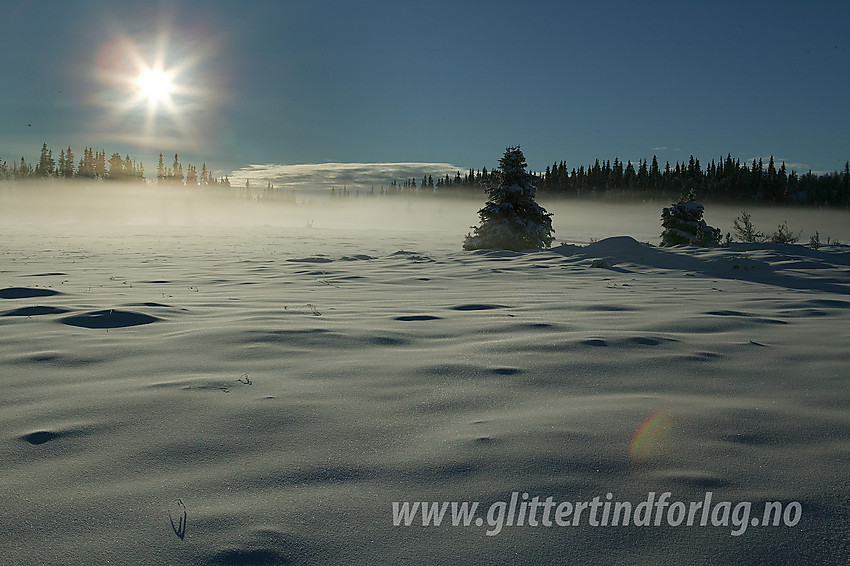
x: 683, y: 224
x: 511, y: 219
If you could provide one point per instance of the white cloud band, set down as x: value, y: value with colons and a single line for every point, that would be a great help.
x: 319, y: 177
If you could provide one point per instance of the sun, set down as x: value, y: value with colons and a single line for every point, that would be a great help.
x: 155, y: 85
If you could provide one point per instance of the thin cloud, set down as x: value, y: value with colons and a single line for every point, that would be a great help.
x: 777, y: 162
x: 320, y: 177
x: 666, y: 148
x: 791, y: 166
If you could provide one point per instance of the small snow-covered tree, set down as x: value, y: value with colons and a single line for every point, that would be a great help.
x: 511, y: 219
x: 683, y: 224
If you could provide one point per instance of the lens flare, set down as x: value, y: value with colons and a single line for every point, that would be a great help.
x: 650, y: 437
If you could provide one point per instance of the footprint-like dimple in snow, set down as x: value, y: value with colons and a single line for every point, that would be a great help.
x: 417, y: 317
x: 412, y: 256
x: 730, y: 313
x: 40, y: 437
x: 644, y: 341
x: 26, y: 293
x: 606, y: 308
x: 311, y: 260
x: 750, y: 317
x: 35, y: 311
x: 50, y: 274
x: 109, y: 319
x: 477, y: 307
x: 260, y: 547
x: 506, y: 371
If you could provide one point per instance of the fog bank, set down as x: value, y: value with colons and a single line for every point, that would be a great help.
x: 50, y: 206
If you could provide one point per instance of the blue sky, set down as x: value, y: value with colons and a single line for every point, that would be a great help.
x: 453, y: 83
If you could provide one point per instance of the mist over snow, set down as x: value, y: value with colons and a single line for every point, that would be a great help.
x: 94, y: 205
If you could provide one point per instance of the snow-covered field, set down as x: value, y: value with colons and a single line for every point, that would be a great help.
x: 186, y: 384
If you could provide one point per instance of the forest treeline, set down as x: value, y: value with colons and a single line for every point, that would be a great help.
x: 721, y: 180
x: 94, y: 165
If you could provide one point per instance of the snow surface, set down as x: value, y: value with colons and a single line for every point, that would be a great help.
x: 284, y: 385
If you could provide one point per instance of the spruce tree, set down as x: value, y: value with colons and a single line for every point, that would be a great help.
x: 68, y: 169
x: 191, y: 176
x: 176, y: 176
x: 100, y: 164
x: 511, y: 219
x: 60, y: 165
x: 87, y: 164
x: 160, y: 170
x: 654, y: 174
x: 45, y: 162
x: 683, y: 224
x: 846, y: 183
x: 116, y: 167
x: 24, y: 170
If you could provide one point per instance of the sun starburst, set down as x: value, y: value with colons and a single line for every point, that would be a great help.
x: 153, y: 88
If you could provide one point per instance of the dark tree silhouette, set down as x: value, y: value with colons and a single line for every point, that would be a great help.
x: 511, y: 219
x: 683, y: 224
x: 68, y: 168
x: 45, y: 162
